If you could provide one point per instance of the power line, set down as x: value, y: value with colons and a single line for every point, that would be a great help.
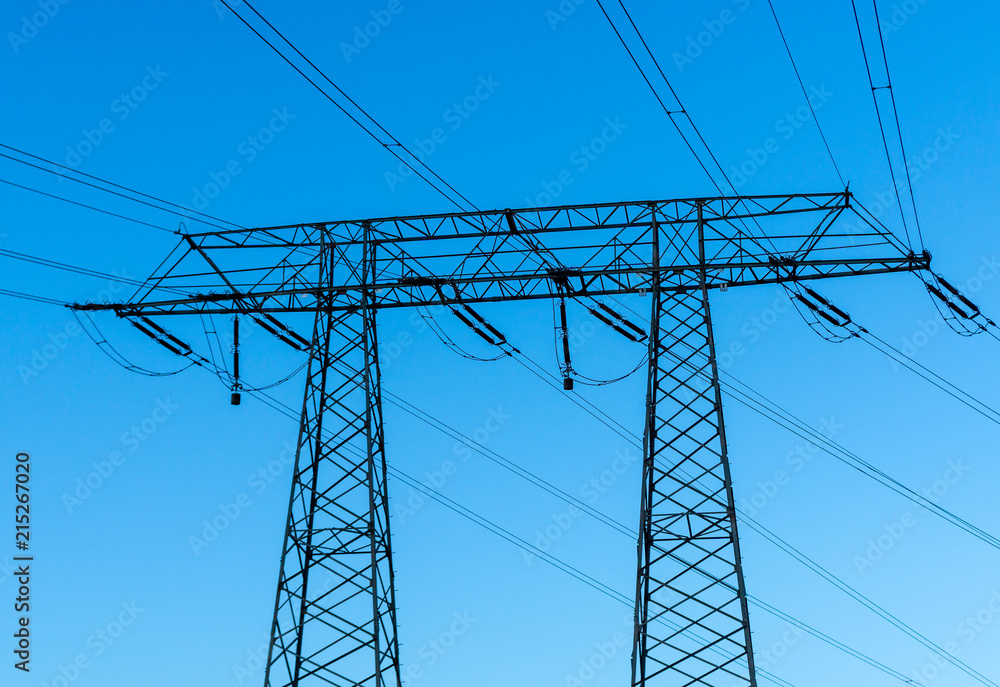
x: 899, y: 130
x: 805, y: 93
x: 670, y: 113
x: 780, y: 416
x: 828, y: 639
x: 537, y: 481
x: 187, y: 214
x: 115, y: 356
x: 937, y: 380
x: 68, y: 268
x: 881, y: 126
x: 89, y: 207
x: 30, y: 297
x: 865, y: 601
x: 74, y: 269
x: 361, y: 109
x: 683, y: 110
x: 388, y: 146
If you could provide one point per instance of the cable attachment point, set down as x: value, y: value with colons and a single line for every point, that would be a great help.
x: 962, y: 315
x: 281, y: 331
x: 825, y: 318
x: 474, y: 321
x: 235, y: 398
x: 612, y: 318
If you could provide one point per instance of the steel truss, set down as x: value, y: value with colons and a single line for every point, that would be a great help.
x: 336, y: 576
x: 692, y: 621
x: 692, y: 624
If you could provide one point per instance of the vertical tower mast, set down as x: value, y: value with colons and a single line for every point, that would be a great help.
x: 692, y: 620
x: 335, y: 612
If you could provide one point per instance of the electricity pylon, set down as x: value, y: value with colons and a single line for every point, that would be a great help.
x: 692, y: 624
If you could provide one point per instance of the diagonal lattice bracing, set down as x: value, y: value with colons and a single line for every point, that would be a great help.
x: 692, y: 624
x: 335, y: 613
x: 510, y: 254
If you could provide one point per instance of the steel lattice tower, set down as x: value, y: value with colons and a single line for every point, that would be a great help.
x: 691, y: 617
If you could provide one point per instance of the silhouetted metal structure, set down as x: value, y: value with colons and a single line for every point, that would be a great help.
x: 692, y: 623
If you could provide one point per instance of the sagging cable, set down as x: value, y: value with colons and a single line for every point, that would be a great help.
x: 962, y: 315
x: 822, y: 316
x: 500, y: 338
x: 855, y: 330
x: 477, y: 323
x: 164, y: 338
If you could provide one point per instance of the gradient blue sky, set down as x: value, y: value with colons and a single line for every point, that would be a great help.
x: 210, y: 85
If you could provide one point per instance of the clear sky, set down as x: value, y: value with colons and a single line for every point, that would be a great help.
x: 171, y: 98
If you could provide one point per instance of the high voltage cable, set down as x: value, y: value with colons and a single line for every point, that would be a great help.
x: 69, y: 268
x: 388, y: 146
x: 828, y: 639
x: 787, y: 420
x: 899, y: 130
x: 670, y: 113
x: 575, y: 572
x: 937, y: 380
x: 683, y: 110
x: 186, y: 213
x: 84, y: 271
x: 195, y: 359
x: 855, y: 462
x: 89, y: 207
x: 865, y: 601
x: 30, y: 297
x: 516, y: 469
x: 115, y: 356
x: 805, y: 93
x: 520, y: 471
x: 512, y: 538
x: 881, y: 126
x: 361, y: 109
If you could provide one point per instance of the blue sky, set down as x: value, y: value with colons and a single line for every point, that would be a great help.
x: 173, y: 98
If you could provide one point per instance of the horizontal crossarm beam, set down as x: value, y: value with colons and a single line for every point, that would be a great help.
x: 509, y: 255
